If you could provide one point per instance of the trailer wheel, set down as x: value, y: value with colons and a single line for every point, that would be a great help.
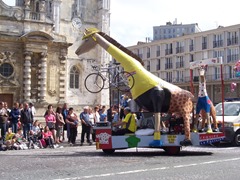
x: 236, y: 140
x: 172, y: 150
x: 108, y: 151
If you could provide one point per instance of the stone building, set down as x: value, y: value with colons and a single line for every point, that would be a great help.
x: 37, y: 51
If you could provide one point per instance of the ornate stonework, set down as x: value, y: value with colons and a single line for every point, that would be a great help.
x: 41, y: 44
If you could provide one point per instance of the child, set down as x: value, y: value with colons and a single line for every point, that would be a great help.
x: 9, y: 139
x: 47, y: 136
x: 19, y: 141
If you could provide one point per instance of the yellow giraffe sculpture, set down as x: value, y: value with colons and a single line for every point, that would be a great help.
x: 149, y: 91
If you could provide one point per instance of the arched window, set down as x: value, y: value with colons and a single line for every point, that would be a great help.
x: 74, y: 78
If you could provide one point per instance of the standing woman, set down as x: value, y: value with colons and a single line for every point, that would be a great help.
x: 72, y: 120
x: 96, y: 119
x: 51, y: 121
x: 3, y: 120
x: 91, y: 120
x: 59, y: 124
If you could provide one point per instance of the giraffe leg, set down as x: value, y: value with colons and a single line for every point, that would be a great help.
x: 157, y: 135
x: 213, y: 114
x: 203, y: 120
x: 195, y: 129
x: 209, y: 128
x: 204, y: 117
x: 186, y: 117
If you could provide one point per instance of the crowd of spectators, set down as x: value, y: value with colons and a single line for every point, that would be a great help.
x: 20, y: 130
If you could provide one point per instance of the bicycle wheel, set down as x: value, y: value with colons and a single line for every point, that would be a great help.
x: 94, y: 83
x: 124, y: 81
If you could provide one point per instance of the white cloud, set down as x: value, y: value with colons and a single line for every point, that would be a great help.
x: 9, y: 2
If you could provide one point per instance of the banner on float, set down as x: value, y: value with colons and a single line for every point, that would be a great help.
x: 209, y: 62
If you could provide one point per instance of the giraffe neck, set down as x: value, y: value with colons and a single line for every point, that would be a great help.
x: 125, y: 60
x: 144, y: 80
x: 202, y: 87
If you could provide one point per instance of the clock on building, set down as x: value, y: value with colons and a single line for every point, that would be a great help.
x: 77, y: 23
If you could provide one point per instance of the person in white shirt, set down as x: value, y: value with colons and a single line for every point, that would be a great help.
x: 31, y: 106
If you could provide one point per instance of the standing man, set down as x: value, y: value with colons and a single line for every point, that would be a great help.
x: 3, y: 120
x: 33, y: 109
x: 86, y: 125
x: 15, y: 116
x: 26, y: 120
x: 66, y: 125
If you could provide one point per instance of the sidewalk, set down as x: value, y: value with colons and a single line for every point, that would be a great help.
x: 78, y: 139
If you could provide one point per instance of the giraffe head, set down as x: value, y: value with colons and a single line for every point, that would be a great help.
x: 202, y: 70
x: 88, y: 41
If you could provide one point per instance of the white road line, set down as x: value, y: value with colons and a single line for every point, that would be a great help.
x: 145, y: 170
x: 187, y: 165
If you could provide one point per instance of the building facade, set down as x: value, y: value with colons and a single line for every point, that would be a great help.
x: 169, y: 59
x: 37, y: 51
x: 172, y: 30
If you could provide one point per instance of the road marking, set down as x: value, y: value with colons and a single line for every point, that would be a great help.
x: 187, y: 165
x: 146, y: 170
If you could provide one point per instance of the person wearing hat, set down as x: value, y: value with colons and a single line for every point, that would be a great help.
x: 128, y: 124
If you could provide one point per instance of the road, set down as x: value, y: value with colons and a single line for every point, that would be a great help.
x: 84, y: 162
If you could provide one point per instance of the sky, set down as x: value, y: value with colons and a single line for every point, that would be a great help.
x: 133, y: 20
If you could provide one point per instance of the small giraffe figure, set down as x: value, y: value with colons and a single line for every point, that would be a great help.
x: 204, y: 104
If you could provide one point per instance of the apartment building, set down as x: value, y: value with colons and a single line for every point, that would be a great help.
x: 169, y: 59
x: 172, y: 30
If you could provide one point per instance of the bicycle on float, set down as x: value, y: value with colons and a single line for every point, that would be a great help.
x: 111, y: 76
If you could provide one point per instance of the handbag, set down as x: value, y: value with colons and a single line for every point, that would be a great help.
x: 51, y: 125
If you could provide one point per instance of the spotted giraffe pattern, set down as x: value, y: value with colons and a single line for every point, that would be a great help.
x: 182, y: 103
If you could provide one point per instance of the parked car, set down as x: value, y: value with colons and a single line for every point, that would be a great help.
x: 231, y: 121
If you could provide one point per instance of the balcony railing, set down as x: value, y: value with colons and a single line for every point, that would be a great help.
x: 218, y: 43
x: 209, y: 78
x: 168, y: 66
x: 232, y: 58
x: 232, y: 41
x: 179, y: 65
x: 179, y: 49
x: 191, y: 47
x: 168, y: 51
x: 204, y: 45
x: 148, y: 55
x: 34, y: 16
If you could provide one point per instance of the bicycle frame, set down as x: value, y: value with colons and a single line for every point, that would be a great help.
x: 111, y: 70
x: 112, y: 76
